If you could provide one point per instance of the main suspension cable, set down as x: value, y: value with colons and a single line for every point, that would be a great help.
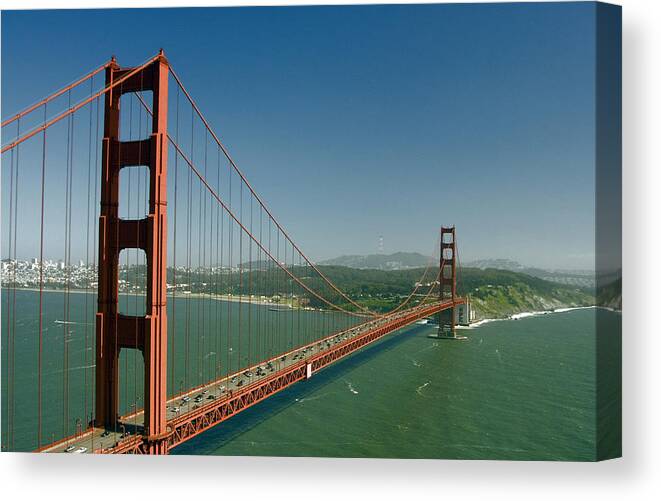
x: 56, y: 94
x: 72, y: 109
x: 258, y: 198
x: 278, y: 227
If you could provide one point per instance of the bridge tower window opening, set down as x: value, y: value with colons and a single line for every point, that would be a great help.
x: 134, y: 192
x: 132, y: 282
x: 135, y: 120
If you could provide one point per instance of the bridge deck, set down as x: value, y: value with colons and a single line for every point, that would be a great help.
x: 201, y: 408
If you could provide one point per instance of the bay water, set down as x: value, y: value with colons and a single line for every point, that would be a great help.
x: 515, y: 389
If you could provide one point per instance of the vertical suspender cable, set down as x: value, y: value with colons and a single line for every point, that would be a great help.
x: 222, y: 287
x: 240, y: 366
x: 87, y: 258
x: 115, y: 361
x: 188, y: 265
x: 198, y: 277
x: 211, y: 333
x: 218, y: 276
x: 12, y: 287
x: 260, y: 291
x: 13, y: 314
x: 130, y: 277
x: 279, y: 293
x: 250, y: 291
x: 202, y: 239
x: 271, y: 293
x: 173, y: 331
x: 291, y: 299
x: 230, y: 250
x: 96, y: 187
x: 41, y: 288
x: 65, y: 324
x: 298, y: 306
x: 68, y: 265
x: 7, y: 394
x: 141, y: 192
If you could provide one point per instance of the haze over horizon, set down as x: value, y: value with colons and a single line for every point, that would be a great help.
x: 360, y: 121
x: 494, y: 259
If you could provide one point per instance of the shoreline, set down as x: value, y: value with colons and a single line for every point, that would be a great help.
x: 181, y: 295
x: 288, y: 306
x: 529, y: 314
x: 284, y: 306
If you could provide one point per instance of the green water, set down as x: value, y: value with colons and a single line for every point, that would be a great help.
x: 199, y: 351
x: 521, y: 389
x: 514, y: 390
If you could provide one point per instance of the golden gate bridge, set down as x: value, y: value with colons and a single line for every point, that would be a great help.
x: 201, y: 304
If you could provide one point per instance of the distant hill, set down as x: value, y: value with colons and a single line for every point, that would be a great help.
x: 396, y: 261
x: 579, y: 278
x: 494, y: 293
x: 501, y: 293
x: 409, y: 260
x: 498, y: 264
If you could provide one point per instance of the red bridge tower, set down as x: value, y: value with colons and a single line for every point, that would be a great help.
x: 115, y: 331
x: 448, y: 281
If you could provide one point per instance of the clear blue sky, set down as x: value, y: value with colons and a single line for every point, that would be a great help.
x: 355, y: 122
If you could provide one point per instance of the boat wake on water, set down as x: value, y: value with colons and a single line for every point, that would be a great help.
x: 524, y: 314
x: 70, y: 322
x: 70, y: 369
x: 414, y: 362
x: 419, y: 389
x: 304, y: 399
x: 351, y: 388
